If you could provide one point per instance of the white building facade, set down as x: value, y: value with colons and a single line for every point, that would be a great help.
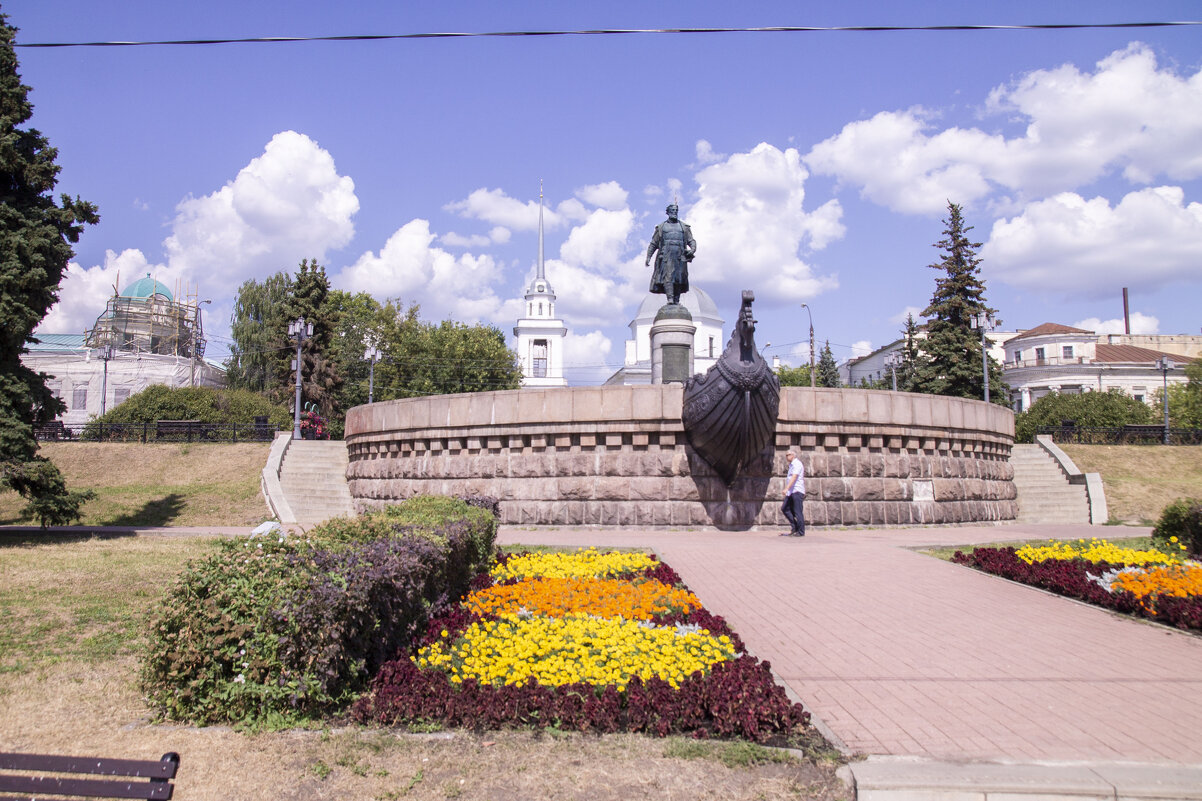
x: 707, y: 342
x: 1060, y: 358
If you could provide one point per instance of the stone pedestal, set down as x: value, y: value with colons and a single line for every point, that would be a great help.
x: 672, y: 336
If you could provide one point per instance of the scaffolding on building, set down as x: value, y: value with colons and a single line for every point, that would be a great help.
x: 153, y: 323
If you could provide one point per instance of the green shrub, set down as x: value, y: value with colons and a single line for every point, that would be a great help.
x: 205, y: 404
x: 273, y: 629
x: 1181, y: 519
x: 1109, y: 409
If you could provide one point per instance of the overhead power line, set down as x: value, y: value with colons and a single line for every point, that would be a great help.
x: 624, y: 32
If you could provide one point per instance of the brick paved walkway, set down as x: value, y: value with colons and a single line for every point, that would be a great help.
x: 899, y: 653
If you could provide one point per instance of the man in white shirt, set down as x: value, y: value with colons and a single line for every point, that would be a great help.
x: 795, y: 494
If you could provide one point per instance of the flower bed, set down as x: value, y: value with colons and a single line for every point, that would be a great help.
x: 1147, y: 583
x: 587, y: 641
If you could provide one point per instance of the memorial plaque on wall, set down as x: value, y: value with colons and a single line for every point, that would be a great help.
x: 676, y: 363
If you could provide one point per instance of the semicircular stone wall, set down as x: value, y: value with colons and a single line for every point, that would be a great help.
x: 619, y: 456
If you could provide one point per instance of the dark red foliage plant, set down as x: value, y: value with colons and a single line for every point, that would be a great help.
x: 1071, y: 578
x: 738, y: 698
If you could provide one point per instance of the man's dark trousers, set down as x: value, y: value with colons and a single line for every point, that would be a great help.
x: 791, y: 508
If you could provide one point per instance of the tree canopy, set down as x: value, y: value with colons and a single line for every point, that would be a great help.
x: 1185, y: 400
x: 1109, y: 409
x: 794, y: 376
x: 36, y: 234
x: 951, y: 353
x: 416, y: 357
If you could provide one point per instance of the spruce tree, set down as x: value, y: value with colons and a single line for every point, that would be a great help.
x: 911, y: 353
x: 951, y: 363
x: 36, y: 235
x: 828, y: 371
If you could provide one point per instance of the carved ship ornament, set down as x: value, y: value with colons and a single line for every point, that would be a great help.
x: 729, y: 414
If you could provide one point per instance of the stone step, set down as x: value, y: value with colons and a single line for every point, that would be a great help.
x: 1044, y: 494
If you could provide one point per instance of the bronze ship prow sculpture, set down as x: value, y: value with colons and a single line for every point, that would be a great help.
x: 730, y: 412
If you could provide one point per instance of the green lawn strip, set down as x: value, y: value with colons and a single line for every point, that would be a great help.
x: 85, y: 600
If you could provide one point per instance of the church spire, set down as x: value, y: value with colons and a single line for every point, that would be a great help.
x: 542, y: 274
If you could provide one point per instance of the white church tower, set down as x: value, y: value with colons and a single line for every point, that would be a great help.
x: 540, y: 334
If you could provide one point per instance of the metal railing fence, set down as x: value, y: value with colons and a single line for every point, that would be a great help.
x: 1122, y: 435
x: 157, y: 431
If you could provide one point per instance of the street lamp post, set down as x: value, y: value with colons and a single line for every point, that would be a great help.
x: 983, y: 321
x: 104, y: 353
x: 1164, y: 365
x: 892, y: 360
x: 196, y: 351
x: 299, y: 330
x: 813, y: 375
x: 372, y: 355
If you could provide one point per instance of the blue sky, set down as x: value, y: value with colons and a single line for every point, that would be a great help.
x: 814, y: 167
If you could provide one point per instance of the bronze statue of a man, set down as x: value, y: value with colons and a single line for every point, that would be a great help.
x: 674, y: 241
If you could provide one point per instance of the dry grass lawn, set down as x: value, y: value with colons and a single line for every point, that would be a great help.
x: 71, y: 613
x: 1140, y: 480
x: 159, y: 485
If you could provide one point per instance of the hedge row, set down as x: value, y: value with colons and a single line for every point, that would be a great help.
x: 272, y: 629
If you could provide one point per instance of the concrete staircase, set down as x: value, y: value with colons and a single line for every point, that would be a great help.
x: 1044, y: 493
x: 313, y: 478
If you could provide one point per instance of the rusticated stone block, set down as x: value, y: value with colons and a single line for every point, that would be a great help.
x: 575, y: 488
x: 875, y: 513
x: 577, y: 464
x: 895, y: 489
x: 612, y: 488
x: 835, y: 463
x: 710, y: 488
x: 816, y: 513
x: 647, y: 489
x: 682, y: 489
x: 876, y: 465
x: 835, y: 489
x: 868, y: 489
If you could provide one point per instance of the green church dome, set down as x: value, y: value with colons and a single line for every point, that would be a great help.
x: 146, y: 288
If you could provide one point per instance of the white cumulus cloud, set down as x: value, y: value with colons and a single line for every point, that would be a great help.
x: 288, y: 204
x: 495, y: 207
x: 1152, y: 238
x: 609, y: 195
x: 750, y: 225
x: 1129, y: 115
x: 84, y: 291
x: 410, y: 267
x: 1140, y: 324
x: 586, y: 357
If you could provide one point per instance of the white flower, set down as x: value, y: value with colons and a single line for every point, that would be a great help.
x: 240, y: 679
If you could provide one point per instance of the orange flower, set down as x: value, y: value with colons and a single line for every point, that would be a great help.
x: 637, y: 600
x: 1148, y: 585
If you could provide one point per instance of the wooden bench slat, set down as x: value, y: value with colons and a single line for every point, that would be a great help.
x: 96, y: 766
x: 86, y: 788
